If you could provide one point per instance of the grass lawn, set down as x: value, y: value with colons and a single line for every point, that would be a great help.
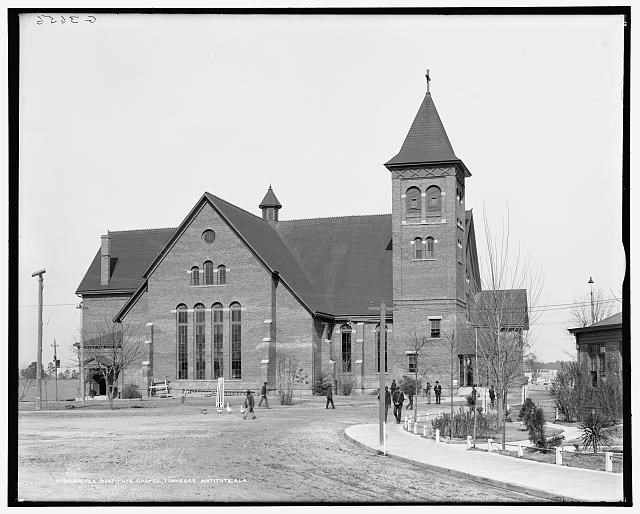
x: 570, y: 459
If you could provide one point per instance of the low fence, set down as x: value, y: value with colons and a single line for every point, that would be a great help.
x: 603, y: 461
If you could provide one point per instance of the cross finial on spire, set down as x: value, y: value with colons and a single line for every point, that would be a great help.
x: 428, y: 80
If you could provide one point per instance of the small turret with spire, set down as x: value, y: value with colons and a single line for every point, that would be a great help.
x: 270, y: 206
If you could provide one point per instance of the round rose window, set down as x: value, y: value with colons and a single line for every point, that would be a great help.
x: 209, y: 236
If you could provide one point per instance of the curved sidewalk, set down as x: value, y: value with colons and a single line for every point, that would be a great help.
x: 548, y: 481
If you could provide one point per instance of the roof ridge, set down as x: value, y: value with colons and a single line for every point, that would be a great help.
x: 140, y: 229
x: 336, y: 217
x: 234, y: 205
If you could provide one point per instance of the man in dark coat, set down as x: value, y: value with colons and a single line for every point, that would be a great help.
x: 492, y: 396
x: 398, y: 400
x: 263, y: 396
x: 329, y: 397
x: 393, y: 387
x: 387, y: 401
x: 248, y: 405
x: 438, y: 390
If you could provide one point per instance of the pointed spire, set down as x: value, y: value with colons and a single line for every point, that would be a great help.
x: 427, y: 141
x: 270, y: 200
x: 270, y: 206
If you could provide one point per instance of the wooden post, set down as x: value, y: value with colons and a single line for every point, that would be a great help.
x: 437, y: 435
x: 559, y: 455
x: 608, y: 463
x: 39, y: 351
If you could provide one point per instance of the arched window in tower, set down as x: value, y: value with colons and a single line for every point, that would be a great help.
x: 386, y: 329
x: 417, y: 248
x: 236, y: 340
x: 414, y: 203
x: 195, y: 276
x: 345, y: 331
x: 181, y: 342
x: 218, y: 339
x: 208, y: 273
x: 198, y: 324
x: 434, y: 201
x: 222, y: 275
x: 430, y: 251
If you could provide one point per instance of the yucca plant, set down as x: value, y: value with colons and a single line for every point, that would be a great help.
x: 593, y: 431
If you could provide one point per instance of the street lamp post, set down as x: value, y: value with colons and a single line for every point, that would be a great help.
x: 593, y: 317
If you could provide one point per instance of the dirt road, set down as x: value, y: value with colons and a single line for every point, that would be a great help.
x: 167, y: 451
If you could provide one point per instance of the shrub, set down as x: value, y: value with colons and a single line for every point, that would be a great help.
x: 527, y: 409
x: 535, y: 426
x: 131, y: 391
x: 608, y: 398
x: 571, y: 390
x: 345, y: 384
x: 407, y: 385
x: 461, y: 425
x: 323, y: 379
x: 593, y: 431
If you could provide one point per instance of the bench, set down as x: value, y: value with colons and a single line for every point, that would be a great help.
x: 160, y: 389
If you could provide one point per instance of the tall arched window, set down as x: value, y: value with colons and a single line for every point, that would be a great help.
x: 236, y: 340
x: 417, y: 248
x: 208, y: 273
x: 222, y: 275
x: 430, y: 251
x: 414, y: 203
x: 346, y: 347
x: 198, y: 319
x: 181, y: 336
x: 386, y: 329
x: 195, y: 276
x: 434, y: 200
x: 218, y: 339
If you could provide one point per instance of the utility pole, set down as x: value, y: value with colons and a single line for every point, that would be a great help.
x: 55, y: 365
x: 81, y: 363
x: 39, y: 354
x: 593, y: 316
x: 382, y: 364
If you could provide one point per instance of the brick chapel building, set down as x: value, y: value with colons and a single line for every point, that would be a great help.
x: 227, y: 291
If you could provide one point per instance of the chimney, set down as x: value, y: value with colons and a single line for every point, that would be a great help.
x: 105, y: 260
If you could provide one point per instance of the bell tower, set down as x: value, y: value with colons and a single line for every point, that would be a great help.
x: 428, y: 230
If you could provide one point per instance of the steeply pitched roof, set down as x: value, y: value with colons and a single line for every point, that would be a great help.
x: 335, y: 266
x: 267, y: 244
x: 426, y: 141
x: 616, y: 319
x: 270, y: 200
x: 347, y: 259
x: 131, y: 253
x: 507, y: 307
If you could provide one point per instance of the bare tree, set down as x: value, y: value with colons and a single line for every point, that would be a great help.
x: 502, y: 313
x: 286, y: 368
x: 581, y: 314
x: 420, y: 372
x: 444, y: 363
x: 113, y: 349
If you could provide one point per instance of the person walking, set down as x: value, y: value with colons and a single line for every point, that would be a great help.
x: 492, y: 396
x: 438, y: 390
x: 329, y: 397
x: 398, y: 400
x: 410, y: 395
x: 474, y: 396
x: 428, y: 392
x: 387, y: 401
x: 249, y: 402
x: 393, y: 387
x: 263, y: 396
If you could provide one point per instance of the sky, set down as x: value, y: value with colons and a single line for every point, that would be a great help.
x: 127, y: 120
